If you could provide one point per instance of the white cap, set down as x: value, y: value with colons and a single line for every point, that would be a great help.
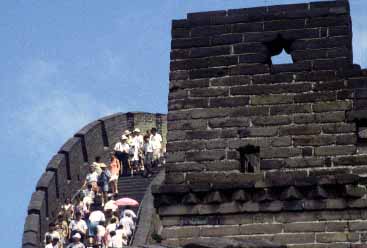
x: 77, y: 236
x: 137, y: 130
x: 127, y: 132
x: 123, y: 137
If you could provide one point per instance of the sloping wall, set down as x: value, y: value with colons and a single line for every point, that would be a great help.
x: 67, y: 169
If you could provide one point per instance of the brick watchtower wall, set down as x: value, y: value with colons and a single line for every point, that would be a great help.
x: 262, y: 151
x: 66, y: 171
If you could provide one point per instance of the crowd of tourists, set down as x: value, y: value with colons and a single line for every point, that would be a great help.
x: 93, y: 218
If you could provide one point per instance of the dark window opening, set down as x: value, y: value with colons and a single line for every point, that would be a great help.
x: 249, y: 159
x: 279, y: 51
x: 362, y: 132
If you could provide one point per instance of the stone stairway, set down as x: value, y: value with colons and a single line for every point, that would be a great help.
x: 135, y: 186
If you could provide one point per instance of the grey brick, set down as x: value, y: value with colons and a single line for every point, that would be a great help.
x: 205, y: 155
x: 290, y: 109
x: 260, y: 229
x: 206, y: 92
x: 230, y: 81
x: 319, y: 140
x: 271, y: 120
x: 339, y: 128
x: 258, y: 132
x: 229, y: 101
x: 305, y: 227
x: 332, y: 106
x: 334, y: 150
x: 300, y: 130
x: 229, y: 122
x: 280, y: 152
x: 271, y: 99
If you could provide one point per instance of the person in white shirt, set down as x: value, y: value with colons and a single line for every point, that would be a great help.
x: 112, y: 226
x: 88, y: 195
x: 122, y: 153
x: 148, y: 156
x: 128, y: 225
x: 121, y: 236
x: 136, y: 148
x: 78, y: 226
x: 129, y: 213
x: 114, y: 241
x: 76, y: 242
x: 92, y: 178
x: 95, y: 218
x: 52, y: 233
x: 156, y: 141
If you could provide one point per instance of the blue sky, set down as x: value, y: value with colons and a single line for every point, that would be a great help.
x: 66, y: 63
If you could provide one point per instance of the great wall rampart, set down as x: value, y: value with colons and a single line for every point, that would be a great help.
x: 255, y: 151
x: 66, y: 171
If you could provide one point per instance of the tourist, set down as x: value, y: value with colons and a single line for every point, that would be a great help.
x: 95, y: 218
x: 121, y: 236
x: 130, y: 212
x: 51, y: 234
x: 56, y: 242
x: 156, y: 141
x: 92, y: 178
x: 62, y: 228
x: 112, y: 226
x: 88, y: 195
x: 48, y: 241
x: 122, y: 153
x: 114, y: 170
x: 101, y: 234
x: 136, y: 148
x: 128, y: 224
x: 76, y: 242
x: 148, y: 156
x: 103, y: 181
x: 114, y: 241
x: 78, y: 226
x: 127, y: 133
x: 68, y: 209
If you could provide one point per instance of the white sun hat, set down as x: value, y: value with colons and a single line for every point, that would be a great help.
x: 77, y: 236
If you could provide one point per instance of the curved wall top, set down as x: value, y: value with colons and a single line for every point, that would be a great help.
x: 66, y: 170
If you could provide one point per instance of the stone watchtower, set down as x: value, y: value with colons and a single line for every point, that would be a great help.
x: 263, y: 151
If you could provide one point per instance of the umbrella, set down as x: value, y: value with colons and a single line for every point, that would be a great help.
x: 126, y: 202
x: 110, y: 205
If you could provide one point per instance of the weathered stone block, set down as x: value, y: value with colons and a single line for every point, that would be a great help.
x: 229, y: 101
x: 219, y: 231
x: 300, y: 130
x: 230, y: 81
x: 304, y: 227
x: 205, y: 155
x: 314, y: 140
x: 335, y: 150
x: 231, y: 122
x: 260, y: 229
x: 271, y: 99
x: 332, y: 106
x: 336, y: 237
x: 180, y: 232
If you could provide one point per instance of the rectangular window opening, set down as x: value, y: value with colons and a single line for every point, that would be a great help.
x: 249, y: 159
